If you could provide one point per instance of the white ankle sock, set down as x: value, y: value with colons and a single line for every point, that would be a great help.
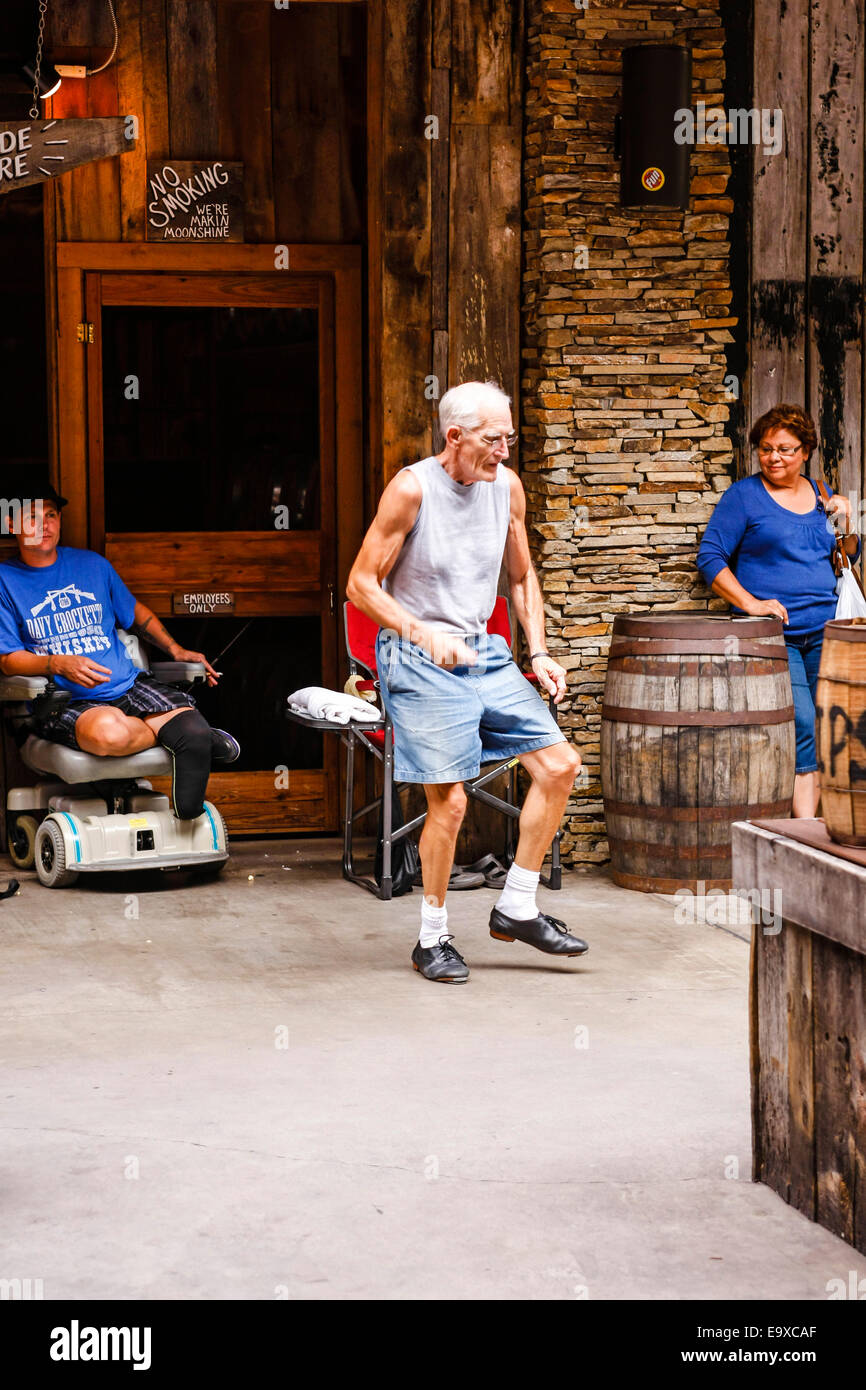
x: 517, y: 898
x: 434, y: 923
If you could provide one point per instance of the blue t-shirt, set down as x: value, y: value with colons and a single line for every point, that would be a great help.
x: 774, y: 553
x: 71, y: 608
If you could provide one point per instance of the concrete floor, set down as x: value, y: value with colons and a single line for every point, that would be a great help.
x: 242, y: 1090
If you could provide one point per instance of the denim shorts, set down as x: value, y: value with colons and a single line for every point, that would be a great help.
x: 804, y: 658
x: 447, y: 723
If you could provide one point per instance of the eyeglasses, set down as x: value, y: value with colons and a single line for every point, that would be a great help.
x: 788, y: 453
x: 491, y: 440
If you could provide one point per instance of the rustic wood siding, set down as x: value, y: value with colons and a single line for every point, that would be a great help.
x: 451, y: 240
x: 281, y: 90
x: 807, y: 249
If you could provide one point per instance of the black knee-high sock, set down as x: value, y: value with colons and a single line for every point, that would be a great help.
x: 188, y: 738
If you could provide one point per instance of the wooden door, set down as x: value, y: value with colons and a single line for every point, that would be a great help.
x: 210, y: 404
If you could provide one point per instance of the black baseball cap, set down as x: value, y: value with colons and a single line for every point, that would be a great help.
x: 26, y: 485
x: 48, y: 493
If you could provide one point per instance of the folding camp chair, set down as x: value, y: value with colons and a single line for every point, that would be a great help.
x: 361, y: 633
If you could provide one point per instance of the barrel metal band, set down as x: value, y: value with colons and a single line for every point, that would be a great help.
x: 692, y: 666
x: 654, y: 883
x: 748, y: 811
x: 711, y: 646
x: 697, y: 718
x: 648, y: 625
x: 661, y: 851
x: 842, y: 630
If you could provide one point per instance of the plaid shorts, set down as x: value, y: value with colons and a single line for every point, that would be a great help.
x: 145, y: 696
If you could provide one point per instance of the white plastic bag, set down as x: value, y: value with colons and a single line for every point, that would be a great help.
x: 851, y: 603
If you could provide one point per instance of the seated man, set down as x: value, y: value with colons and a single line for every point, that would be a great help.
x: 60, y: 609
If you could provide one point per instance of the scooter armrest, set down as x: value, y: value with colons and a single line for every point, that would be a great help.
x: 17, y: 688
x: 177, y: 672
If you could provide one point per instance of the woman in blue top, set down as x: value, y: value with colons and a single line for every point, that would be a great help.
x: 768, y: 550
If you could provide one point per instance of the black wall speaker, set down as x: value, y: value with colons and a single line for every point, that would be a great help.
x: 656, y: 83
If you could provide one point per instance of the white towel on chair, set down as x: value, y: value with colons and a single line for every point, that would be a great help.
x: 319, y: 703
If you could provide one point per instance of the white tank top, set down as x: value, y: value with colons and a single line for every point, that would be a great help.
x: 447, y: 572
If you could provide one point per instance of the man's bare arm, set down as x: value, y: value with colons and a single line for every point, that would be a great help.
x: 81, y: 670
x: 27, y: 664
x: 394, y: 519
x: 146, y: 624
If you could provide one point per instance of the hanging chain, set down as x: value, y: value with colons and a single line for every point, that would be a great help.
x: 40, y: 39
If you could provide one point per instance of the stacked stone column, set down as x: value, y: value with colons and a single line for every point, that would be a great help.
x: 625, y: 391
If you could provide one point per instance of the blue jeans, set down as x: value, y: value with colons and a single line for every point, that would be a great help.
x: 447, y: 723
x: 804, y: 658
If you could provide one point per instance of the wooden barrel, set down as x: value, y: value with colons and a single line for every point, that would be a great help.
x: 840, y: 730
x: 697, y: 732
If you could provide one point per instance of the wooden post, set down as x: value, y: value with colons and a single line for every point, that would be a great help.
x: 778, y: 271
x: 836, y: 191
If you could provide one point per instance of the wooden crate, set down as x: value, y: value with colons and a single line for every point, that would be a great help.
x: 808, y: 1026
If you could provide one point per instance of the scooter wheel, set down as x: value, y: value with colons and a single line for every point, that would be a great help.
x: 21, y: 836
x: 51, y: 856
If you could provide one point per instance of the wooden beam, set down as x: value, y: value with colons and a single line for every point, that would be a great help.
x: 441, y: 33
x: 72, y: 433
x: 349, y: 356
x: 307, y: 113
x: 440, y: 169
x: 835, y: 294
x: 486, y: 49
x: 235, y: 256
x: 49, y: 216
x: 406, y: 298
x: 244, y: 66
x: 375, y: 249
x: 192, y: 60
x: 780, y: 196
x: 142, y: 90
x: 484, y: 265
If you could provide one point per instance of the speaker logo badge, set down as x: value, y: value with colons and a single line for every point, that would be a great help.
x: 652, y: 178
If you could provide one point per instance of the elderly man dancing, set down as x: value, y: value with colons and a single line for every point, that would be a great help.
x: 427, y: 573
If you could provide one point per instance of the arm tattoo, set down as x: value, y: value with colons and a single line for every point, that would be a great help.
x: 142, y: 627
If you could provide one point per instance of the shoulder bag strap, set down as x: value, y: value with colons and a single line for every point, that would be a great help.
x: 840, y: 558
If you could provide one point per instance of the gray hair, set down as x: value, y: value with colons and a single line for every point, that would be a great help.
x: 464, y: 405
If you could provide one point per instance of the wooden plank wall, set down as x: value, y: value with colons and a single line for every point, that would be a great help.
x: 283, y: 91
x: 807, y: 269
x: 808, y: 1001
x: 450, y: 297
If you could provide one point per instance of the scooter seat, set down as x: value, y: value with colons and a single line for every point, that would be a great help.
x: 74, y: 766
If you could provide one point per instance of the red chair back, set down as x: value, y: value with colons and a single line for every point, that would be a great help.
x: 499, y: 622
x: 361, y: 632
